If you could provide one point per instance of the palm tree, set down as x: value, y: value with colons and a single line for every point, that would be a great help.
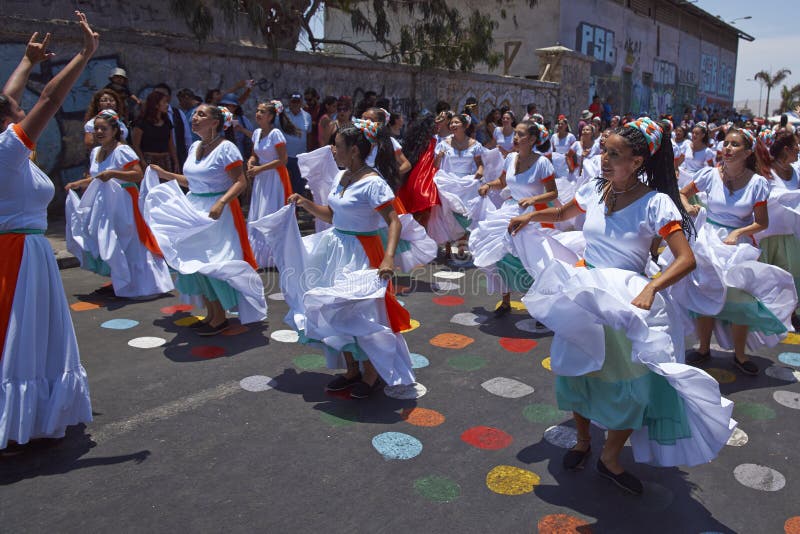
x: 771, y: 80
x: 789, y: 98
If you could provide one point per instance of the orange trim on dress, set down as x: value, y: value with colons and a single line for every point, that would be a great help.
x: 130, y: 164
x: 233, y: 165
x: 572, y: 160
x: 286, y: 181
x: 761, y: 203
x: 693, y: 188
x: 399, y: 207
x: 280, y: 144
x: 399, y: 318
x: 13, y: 246
x: 145, y: 235
x: 241, y: 229
x: 580, y: 263
x: 670, y: 228
x: 539, y: 206
x: 387, y: 203
x: 30, y: 145
x: 549, y: 178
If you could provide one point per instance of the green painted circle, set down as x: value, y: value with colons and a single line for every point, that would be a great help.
x: 753, y: 410
x: 466, y: 362
x: 309, y: 361
x: 437, y: 489
x: 340, y: 416
x: 543, y: 413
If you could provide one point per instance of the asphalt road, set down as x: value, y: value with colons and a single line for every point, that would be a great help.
x: 235, y: 433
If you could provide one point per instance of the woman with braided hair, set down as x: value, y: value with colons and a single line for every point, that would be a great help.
x: 203, y: 234
x: 106, y: 231
x: 622, y: 367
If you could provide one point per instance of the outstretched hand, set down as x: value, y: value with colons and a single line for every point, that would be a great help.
x: 37, y: 52
x: 91, y: 39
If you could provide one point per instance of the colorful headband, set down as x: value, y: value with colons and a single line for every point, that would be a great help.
x: 767, y: 137
x: 278, y: 105
x: 747, y: 134
x: 544, y: 134
x: 651, y: 131
x: 386, y: 114
x: 702, y: 124
x: 368, y: 128
x: 227, y: 117
x: 109, y: 115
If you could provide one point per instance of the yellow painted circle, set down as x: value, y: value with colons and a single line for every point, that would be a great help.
x: 186, y: 321
x: 515, y: 305
x: 546, y: 363
x: 792, y: 339
x: 722, y: 376
x: 414, y: 326
x: 510, y: 480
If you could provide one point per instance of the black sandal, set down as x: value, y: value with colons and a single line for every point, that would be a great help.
x: 624, y: 480
x: 695, y: 357
x: 503, y: 309
x: 747, y: 367
x: 574, y: 460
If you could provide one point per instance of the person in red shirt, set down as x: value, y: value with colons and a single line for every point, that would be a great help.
x: 596, y: 107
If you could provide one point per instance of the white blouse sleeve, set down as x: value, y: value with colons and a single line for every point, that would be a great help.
x: 585, y: 194
x: 380, y: 194
x: 230, y: 157
x: 663, y: 217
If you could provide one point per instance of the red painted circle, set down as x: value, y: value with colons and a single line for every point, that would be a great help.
x: 448, y: 300
x: 169, y: 310
x: 486, y: 437
x: 515, y: 344
x: 207, y: 352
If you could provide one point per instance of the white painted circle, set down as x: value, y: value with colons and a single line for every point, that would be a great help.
x: 507, y: 387
x: 787, y: 374
x: 561, y: 436
x: 257, y: 383
x: 468, y: 319
x: 146, y: 342
x: 445, y: 286
x: 449, y: 275
x: 276, y: 296
x: 285, y: 336
x: 759, y: 477
x: 790, y: 399
x: 738, y: 438
x: 407, y: 392
x: 529, y: 325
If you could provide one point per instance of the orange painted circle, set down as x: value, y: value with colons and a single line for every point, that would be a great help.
x: 84, y: 306
x: 514, y: 344
x: 451, y: 341
x: 169, y: 310
x: 792, y: 525
x: 422, y: 417
x: 563, y: 524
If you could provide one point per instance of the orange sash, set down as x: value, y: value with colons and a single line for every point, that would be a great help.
x: 399, y: 207
x: 13, y: 245
x: 145, y: 235
x: 539, y: 206
x: 241, y: 229
x: 399, y: 318
x: 283, y: 172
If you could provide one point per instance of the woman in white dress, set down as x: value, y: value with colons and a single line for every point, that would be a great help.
x: 503, y: 135
x: 361, y: 333
x: 43, y: 386
x: 744, y: 302
x: 530, y: 179
x: 696, y: 155
x: 267, y: 166
x: 102, y: 100
x: 618, y: 340
x: 563, y: 140
x: 203, y: 234
x: 105, y: 230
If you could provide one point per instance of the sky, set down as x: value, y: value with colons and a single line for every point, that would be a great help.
x: 776, y: 28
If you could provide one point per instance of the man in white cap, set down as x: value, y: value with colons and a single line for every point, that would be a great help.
x: 119, y: 84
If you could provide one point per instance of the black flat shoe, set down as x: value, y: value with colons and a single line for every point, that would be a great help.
x: 747, y: 367
x: 576, y: 459
x: 624, y: 480
x: 503, y: 309
x: 695, y: 357
x: 208, y: 330
x: 198, y: 324
x: 341, y: 382
x: 362, y: 390
x: 796, y: 322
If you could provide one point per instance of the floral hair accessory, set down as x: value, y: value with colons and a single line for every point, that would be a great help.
x: 109, y: 115
x: 227, y: 117
x: 767, y: 137
x: 278, y: 105
x: 544, y: 134
x: 652, y: 132
x: 368, y: 128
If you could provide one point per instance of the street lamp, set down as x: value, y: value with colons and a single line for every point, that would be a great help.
x: 748, y: 17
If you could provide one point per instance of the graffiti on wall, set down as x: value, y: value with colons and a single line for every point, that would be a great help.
x: 597, y: 42
x: 708, y: 73
x: 664, y: 72
x: 725, y: 80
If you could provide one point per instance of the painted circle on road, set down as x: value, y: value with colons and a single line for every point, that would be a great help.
x: 790, y: 399
x: 466, y: 362
x: 285, y: 336
x: 561, y: 436
x: 759, y: 477
x: 418, y: 361
x: 487, y: 438
x: 448, y: 300
x: 437, y: 489
x: 515, y: 344
x: 256, y: 383
x: 790, y: 358
x: 422, y: 417
x: 510, y: 480
x: 146, y: 342
x: 119, y: 324
x: 562, y: 523
x: 397, y: 446
x: 177, y: 308
x: 207, y: 352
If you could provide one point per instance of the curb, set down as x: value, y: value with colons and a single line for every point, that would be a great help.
x: 67, y: 261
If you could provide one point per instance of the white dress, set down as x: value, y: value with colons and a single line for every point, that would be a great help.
x: 506, y: 142
x: 213, y: 257
x: 491, y: 250
x: 623, y: 368
x: 330, y: 282
x: 108, y: 235
x: 729, y: 282
x: 317, y: 167
x: 562, y: 145
x: 43, y: 386
x: 458, y: 192
x: 694, y: 162
x: 269, y: 189
x: 89, y: 128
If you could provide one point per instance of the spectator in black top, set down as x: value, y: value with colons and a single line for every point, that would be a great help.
x: 180, y: 129
x: 152, y: 137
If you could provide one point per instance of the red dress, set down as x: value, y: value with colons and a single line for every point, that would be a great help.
x: 419, y: 192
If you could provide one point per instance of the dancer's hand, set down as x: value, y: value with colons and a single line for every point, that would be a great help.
x: 252, y: 171
x: 91, y: 39
x: 103, y: 176
x: 693, y: 210
x: 518, y: 223
x: 158, y: 170
x: 386, y: 268
x: 526, y: 202
x: 216, y: 210
x: 483, y: 190
x: 37, y: 52
x: 732, y: 238
x: 299, y: 200
x: 644, y: 300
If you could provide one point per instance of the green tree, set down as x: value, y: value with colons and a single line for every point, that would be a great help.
x: 433, y: 33
x: 790, y: 98
x: 771, y: 80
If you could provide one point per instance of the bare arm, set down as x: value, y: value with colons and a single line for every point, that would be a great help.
x: 498, y: 183
x: 683, y: 264
x: 403, y: 165
x: 166, y: 175
x: 130, y: 174
x: 323, y: 213
x: 551, y: 194
x: 567, y: 211
x: 282, y: 160
x: 34, y: 53
x: 239, y: 185
x: 386, y: 268
x: 760, y: 222
x: 57, y: 89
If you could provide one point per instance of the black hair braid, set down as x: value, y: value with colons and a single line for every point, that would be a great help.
x: 418, y: 137
x: 385, y: 162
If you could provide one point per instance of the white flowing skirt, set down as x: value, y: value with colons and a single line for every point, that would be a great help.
x: 192, y: 243
x: 318, y: 168
x: 43, y: 386
x: 335, y: 298
x: 101, y: 228
x: 564, y: 296
x: 459, y: 197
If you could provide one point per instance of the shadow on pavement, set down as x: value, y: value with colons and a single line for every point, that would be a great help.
x: 179, y: 348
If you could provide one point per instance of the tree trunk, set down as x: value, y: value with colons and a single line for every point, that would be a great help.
x: 766, y: 106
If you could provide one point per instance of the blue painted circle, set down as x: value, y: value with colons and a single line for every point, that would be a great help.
x: 403, y: 304
x: 790, y: 358
x: 397, y: 446
x: 120, y: 324
x: 418, y: 361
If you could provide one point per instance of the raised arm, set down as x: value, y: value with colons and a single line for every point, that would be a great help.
x: 57, y: 89
x: 34, y: 53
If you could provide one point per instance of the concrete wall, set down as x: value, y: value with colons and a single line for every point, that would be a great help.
x: 171, y: 57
